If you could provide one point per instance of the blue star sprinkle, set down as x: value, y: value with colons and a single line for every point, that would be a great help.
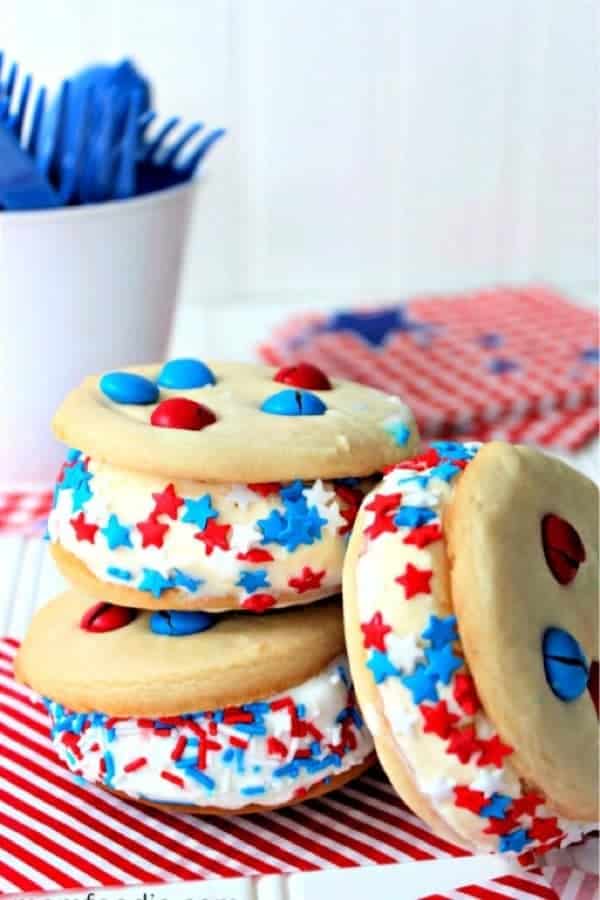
x: 500, y: 365
x: 272, y: 527
x: 292, y: 492
x: 452, y: 450
x: 398, y: 430
x: 153, y: 582
x: 496, y: 807
x: 116, y: 534
x: 199, y: 511
x: 514, y: 841
x: 252, y: 581
x: 74, y: 475
x: 299, y: 525
x: 381, y: 667
x: 377, y: 326
x: 490, y: 341
x: 182, y: 579
x: 590, y: 355
x: 440, y: 631
x: 73, y: 455
x: 413, y: 516
x: 442, y: 663
x: 421, y: 684
x: 81, y: 495
x: 446, y: 471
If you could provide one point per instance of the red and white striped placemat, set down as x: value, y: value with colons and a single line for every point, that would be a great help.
x: 515, y: 364
x: 55, y: 833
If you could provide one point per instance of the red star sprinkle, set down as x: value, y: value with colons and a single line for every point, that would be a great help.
x: 374, y: 632
x: 423, y: 535
x: 265, y: 488
x: 493, y: 752
x: 153, y: 532
x: 463, y: 743
x: 526, y: 805
x: 84, y: 531
x: 352, y: 500
x: 501, y: 826
x: 167, y: 502
x: 381, y: 504
x: 545, y: 829
x: 257, y: 555
x: 466, y: 798
x: 438, y: 719
x: 419, y: 463
x: 214, y: 535
x: 414, y: 581
x: 380, y: 525
x: 258, y: 602
x: 307, y: 580
x: 465, y: 693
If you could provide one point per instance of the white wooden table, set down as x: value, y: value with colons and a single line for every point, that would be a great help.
x: 31, y: 580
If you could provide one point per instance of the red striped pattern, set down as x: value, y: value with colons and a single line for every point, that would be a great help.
x: 551, y: 399
x: 59, y: 834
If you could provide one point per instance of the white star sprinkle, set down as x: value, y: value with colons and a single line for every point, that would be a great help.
x: 318, y: 495
x: 241, y: 495
x: 419, y: 498
x: 489, y: 782
x: 404, y: 652
x: 439, y: 789
x: 401, y: 721
x: 243, y: 537
x: 335, y: 519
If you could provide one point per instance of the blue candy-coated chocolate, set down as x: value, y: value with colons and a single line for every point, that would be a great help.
x: 176, y: 623
x: 179, y: 374
x: 565, y: 664
x: 294, y: 403
x: 128, y: 388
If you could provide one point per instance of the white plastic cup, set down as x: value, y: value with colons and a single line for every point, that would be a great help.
x: 82, y: 290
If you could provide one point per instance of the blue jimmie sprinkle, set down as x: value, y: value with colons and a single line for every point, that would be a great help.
x: 121, y: 574
x: 252, y: 790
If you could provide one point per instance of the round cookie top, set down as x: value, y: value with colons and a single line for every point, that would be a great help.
x: 522, y: 537
x: 235, y: 422
x: 94, y: 657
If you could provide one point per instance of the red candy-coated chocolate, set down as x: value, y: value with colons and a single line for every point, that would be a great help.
x: 563, y: 548
x: 179, y: 412
x: 304, y: 375
x: 106, y: 617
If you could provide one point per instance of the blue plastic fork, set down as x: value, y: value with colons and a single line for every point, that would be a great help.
x: 22, y: 186
x: 160, y: 166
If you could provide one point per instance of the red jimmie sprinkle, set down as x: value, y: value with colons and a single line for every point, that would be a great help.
x: 174, y: 779
x: 238, y: 742
x: 135, y: 764
x: 179, y: 748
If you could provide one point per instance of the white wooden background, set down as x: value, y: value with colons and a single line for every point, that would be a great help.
x: 376, y: 147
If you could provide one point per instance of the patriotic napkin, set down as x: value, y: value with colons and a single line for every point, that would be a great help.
x: 521, y: 365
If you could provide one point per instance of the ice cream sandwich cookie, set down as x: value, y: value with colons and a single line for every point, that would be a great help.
x: 196, y: 712
x: 222, y: 487
x: 471, y: 612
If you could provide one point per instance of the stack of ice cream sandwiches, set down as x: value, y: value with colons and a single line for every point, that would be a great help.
x: 198, y: 660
